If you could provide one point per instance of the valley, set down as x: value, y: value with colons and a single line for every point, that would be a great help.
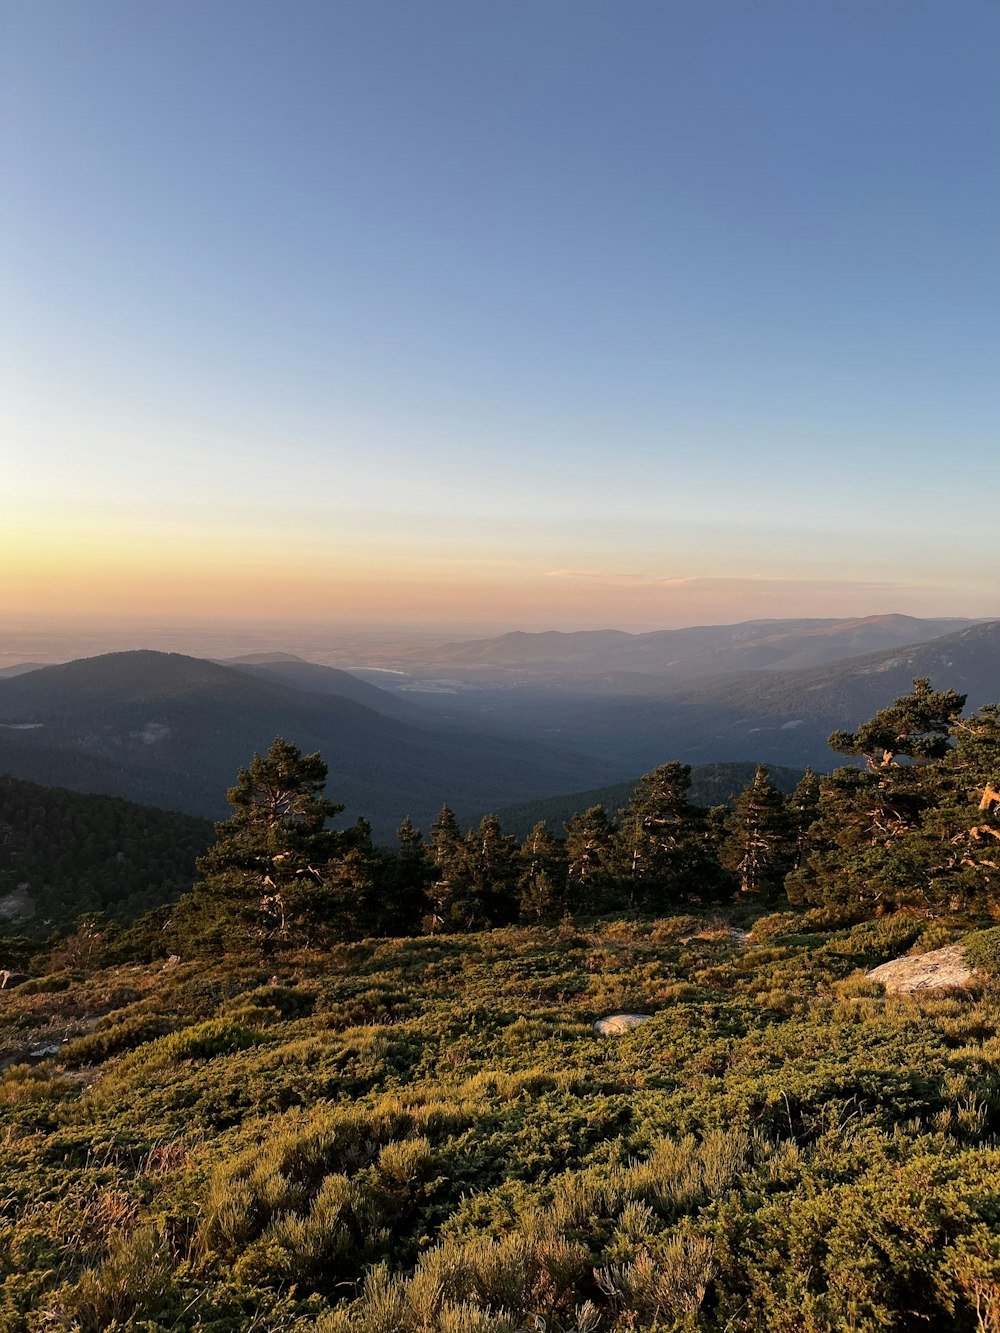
x: 518, y: 724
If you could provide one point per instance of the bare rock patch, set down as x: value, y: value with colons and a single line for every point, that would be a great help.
x: 616, y: 1025
x: 937, y: 970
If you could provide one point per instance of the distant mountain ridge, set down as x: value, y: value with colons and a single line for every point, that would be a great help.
x: 771, y: 716
x: 171, y: 731
x: 694, y: 651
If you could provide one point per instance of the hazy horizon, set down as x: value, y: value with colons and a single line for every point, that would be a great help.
x: 330, y: 643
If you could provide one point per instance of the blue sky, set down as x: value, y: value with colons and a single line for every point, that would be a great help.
x: 549, y: 313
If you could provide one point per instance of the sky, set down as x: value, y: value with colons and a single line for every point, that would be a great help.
x: 548, y: 314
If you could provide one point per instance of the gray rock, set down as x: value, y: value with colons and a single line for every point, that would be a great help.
x: 941, y: 969
x: 45, y: 1052
x: 615, y: 1025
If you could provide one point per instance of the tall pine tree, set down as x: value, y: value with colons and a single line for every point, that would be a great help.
x: 663, y: 852
x: 268, y: 877
x: 759, y: 847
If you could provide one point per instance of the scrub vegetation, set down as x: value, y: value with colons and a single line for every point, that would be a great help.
x: 259, y: 1109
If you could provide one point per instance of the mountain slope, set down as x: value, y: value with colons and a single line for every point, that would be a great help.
x: 177, y: 728
x: 63, y: 853
x: 683, y: 653
x: 298, y: 674
x: 711, y: 784
x: 775, y: 717
x: 967, y: 660
x: 20, y: 669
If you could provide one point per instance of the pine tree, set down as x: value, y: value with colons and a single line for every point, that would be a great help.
x: 267, y: 877
x: 871, y: 843
x: 491, y: 866
x: 358, y: 885
x: 448, y: 859
x: 475, y: 877
x: 589, y: 853
x: 662, y: 850
x: 802, y: 807
x: 542, y: 882
x: 958, y: 841
x: 411, y: 873
x: 916, y: 727
x: 759, y: 846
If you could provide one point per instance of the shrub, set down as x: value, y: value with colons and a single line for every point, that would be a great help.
x: 134, y: 1279
x: 287, y: 1001
x: 44, y: 985
x: 983, y: 950
x: 108, y: 1039
x: 26, y: 1084
x: 670, y: 1286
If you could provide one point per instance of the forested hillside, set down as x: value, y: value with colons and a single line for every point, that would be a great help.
x: 171, y: 730
x: 62, y: 854
x: 913, y: 820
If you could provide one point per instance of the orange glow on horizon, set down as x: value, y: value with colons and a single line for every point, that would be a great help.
x: 71, y: 567
x: 113, y: 583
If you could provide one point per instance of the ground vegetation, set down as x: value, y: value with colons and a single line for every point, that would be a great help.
x: 241, y: 1113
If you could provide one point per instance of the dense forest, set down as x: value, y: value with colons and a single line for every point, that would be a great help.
x: 63, y: 854
x: 337, y: 1087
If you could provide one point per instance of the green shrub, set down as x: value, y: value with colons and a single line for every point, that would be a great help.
x: 44, y: 986
x: 134, y: 1280
x: 671, y: 1286
x: 766, y: 929
x: 108, y: 1039
x: 29, y: 1084
x: 983, y: 950
x: 287, y: 1001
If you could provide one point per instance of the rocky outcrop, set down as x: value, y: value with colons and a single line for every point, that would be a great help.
x: 940, y: 969
x: 616, y: 1025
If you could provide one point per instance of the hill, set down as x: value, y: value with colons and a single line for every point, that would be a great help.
x: 21, y: 669
x: 63, y: 854
x: 673, y: 655
x: 711, y: 784
x: 313, y: 678
x: 172, y: 731
x: 774, y: 717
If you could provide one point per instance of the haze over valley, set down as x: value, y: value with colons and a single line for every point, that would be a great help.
x: 481, y: 724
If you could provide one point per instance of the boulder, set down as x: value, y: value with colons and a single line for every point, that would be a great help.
x: 615, y: 1025
x: 44, y: 1052
x: 940, y: 969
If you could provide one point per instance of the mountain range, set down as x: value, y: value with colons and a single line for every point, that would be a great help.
x: 171, y: 731
x: 766, y: 645
x: 772, y: 715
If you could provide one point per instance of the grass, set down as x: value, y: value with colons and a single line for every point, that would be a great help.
x: 427, y: 1135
